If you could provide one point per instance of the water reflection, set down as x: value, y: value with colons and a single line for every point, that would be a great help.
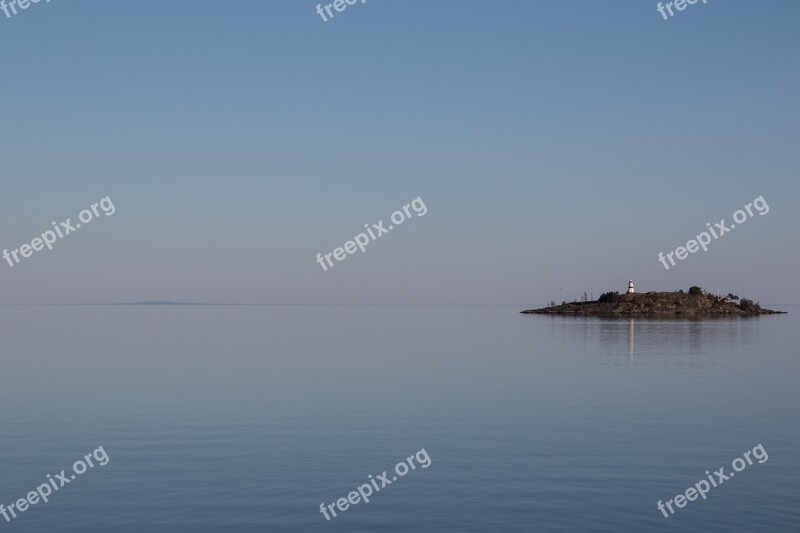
x: 676, y: 341
x: 630, y: 339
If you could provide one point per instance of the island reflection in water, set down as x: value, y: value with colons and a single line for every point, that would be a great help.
x: 679, y: 340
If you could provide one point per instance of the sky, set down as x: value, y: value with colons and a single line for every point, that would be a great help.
x: 558, y: 147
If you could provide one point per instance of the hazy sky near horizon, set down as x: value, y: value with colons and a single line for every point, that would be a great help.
x: 558, y: 147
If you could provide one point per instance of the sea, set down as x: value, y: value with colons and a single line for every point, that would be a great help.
x: 257, y: 418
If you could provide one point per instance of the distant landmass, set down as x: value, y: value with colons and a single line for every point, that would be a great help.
x: 160, y: 303
x: 696, y: 302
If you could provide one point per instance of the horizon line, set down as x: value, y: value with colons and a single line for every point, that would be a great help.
x: 207, y: 304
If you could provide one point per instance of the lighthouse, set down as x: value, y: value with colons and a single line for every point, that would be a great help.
x: 631, y: 290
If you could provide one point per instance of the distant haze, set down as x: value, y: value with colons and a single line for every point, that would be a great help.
x: 559, y: 147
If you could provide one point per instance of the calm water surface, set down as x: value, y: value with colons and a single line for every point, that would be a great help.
x: 246, y: 418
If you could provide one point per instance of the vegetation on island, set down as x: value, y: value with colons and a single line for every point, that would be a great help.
x: 696, y: 302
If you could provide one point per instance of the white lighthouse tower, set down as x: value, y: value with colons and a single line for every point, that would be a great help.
x: 631, y: 290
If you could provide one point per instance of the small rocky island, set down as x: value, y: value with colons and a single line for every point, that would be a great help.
x: 695, y: 303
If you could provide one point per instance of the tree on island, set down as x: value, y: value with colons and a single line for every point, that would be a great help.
x: 696, y: 290
x: 608, y: 296
x: 749, y: 306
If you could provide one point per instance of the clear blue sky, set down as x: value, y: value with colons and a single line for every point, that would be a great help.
x: 556, y: 144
